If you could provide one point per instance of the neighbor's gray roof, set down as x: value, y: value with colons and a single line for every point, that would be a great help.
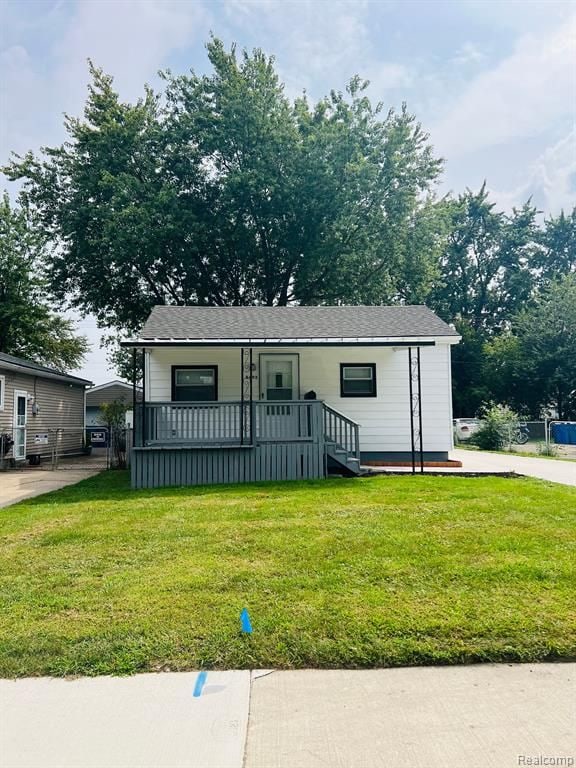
x: 34, y: 369
x: 294, y: 322
x: 111, y: 391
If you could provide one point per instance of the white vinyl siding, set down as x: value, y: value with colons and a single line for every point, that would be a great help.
x: 384, y: 420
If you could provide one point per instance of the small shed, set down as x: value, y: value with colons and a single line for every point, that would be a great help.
x: 39, y: 406
x: 111, y: 391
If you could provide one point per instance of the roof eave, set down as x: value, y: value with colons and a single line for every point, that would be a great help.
x: 295, y: 341
x: 30, y: 371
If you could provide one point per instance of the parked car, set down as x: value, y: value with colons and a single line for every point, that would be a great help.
x: 465, y: 428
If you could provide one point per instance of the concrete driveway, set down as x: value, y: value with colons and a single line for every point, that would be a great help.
x: 545, y: 469
x: 482, y: 716
x: 24, y: 484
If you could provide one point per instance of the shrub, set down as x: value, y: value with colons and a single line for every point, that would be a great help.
x: 547, y: 449
x: 114, y: 416
x: 499, y: 424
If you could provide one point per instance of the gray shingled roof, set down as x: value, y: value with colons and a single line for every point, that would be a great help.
x: 34, y: 369
x: 111, y: 391
x: 294, y: 322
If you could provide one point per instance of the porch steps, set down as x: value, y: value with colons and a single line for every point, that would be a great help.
x: 342, y: 461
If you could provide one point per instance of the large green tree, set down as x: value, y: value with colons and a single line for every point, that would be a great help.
x: 558, y: 246
x: 534, y: 366
x: 29, y: 327
x: 486, y: 275
x: 223, y: 191
x: 486, y: 269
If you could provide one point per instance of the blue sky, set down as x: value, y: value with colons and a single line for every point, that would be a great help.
x: 492, y: 81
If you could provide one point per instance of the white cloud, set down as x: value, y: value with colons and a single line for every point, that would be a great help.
x: 319, y: 43
x: 550, y: 179
x: 385, y: 76
x: 520, y: 97
x: 469, y: 53
x: 130, y: 39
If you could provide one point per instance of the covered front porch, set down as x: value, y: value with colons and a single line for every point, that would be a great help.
x: 188, y: 443
x: 277, y: 429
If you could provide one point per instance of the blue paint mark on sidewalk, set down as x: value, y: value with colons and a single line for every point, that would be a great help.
x: 200, y: 681
x: 245, y: 621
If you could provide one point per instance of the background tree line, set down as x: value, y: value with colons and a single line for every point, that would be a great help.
x: 220, y: 190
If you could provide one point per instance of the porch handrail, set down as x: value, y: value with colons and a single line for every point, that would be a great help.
x: 342, y: 415
x: 342, y: 430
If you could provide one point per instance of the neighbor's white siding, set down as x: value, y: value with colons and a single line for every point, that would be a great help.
x: 384, y: 420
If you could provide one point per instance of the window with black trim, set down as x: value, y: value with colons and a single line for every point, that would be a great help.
x: 195, y: 382
x: 357, y: 379
x: 2, y: 391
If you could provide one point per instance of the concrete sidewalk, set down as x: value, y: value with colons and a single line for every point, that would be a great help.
x: 482, y: 716
x: 25, y: 484
x: 145, y: 721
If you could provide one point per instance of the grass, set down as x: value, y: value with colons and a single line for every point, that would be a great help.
x: 526, y: 454
x: 99, y: 579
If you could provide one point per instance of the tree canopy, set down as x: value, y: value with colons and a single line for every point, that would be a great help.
x: 220, y: 190
x: 534, y: 366
x: 29, y: 327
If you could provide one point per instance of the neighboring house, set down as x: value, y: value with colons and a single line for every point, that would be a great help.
x: 40, y: 407
x: 108, y: 393
x: 234, y: 394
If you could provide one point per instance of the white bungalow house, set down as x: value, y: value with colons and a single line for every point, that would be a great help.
x: 235, y: 394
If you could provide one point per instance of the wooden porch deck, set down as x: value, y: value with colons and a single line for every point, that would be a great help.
x: 195, y: 443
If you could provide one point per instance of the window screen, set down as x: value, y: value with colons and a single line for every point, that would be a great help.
x: 194, y: 383
x: 358, y: 380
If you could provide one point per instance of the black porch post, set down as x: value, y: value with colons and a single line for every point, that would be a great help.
x: 242, y: 378
x: 251, y: 399
x: 415, y: 383
x: 420, y: 413
x: 246, y: 397
x: 143, y: 441
x: 412, y: 442
x: 134, y: 411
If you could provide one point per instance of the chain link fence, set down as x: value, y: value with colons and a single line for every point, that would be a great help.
x: 551, y: 437
x: 65, y: 448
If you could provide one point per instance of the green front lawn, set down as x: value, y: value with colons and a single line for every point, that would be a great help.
x: 99, y: 579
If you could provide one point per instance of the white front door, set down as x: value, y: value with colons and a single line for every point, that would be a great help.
x: 279, y: 381
x: 279, y: 377
x: 20, y: 418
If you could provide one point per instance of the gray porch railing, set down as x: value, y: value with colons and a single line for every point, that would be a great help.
x: 342, y: 431
x: 189, y: 422
x: 225, y: 423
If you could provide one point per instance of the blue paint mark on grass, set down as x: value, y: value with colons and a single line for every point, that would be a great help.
x: 200, y: 681
x: 245, y: 621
